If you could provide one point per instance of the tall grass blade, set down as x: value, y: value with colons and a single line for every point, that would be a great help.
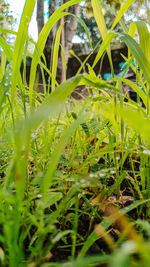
x: 19, y: 44
x: 139, y: 55
x: 86, y: 59
x: 123, y: 9
x: 103, y: 47
x: 42, y: 41
x: 84, y: 27
x: 144, y: 37
x: 99, y: 17
x: 55, y: 56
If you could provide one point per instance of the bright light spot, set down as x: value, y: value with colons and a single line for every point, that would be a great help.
x: 146, y: 151
x: 16, y: 6
x: 76, y: 39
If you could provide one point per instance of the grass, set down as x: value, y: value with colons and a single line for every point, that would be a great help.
x: 74, y: 175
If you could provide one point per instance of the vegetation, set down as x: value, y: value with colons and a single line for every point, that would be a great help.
x: 75, y: 188
x: 5, y: 17
x: 66, y: 26
x: 6, y: 21
x: 139, y: 10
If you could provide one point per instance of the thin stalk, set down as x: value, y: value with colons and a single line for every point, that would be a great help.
x: 75, y: 226
x: 12, y: 112
x: 63, y: 75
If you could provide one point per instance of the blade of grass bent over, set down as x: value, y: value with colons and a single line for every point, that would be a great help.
x: 139, y: 55
x: 48, y: 107
x: 6, y: 48
x: 135, y: 87
x: 144, y: 36
x: 8, y: 31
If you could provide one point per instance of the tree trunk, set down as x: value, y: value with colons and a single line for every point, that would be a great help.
x: 68, y: 31
x: 40, y: 15
x: 52, y: 8
x: 70, y: 25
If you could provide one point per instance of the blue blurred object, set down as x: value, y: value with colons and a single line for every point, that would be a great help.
x: 143, y: 89
x: 108, y: 76
x: 123, y: 66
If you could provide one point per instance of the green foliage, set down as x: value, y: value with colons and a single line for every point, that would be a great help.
x: 5, y: 17
x: 66, y: 165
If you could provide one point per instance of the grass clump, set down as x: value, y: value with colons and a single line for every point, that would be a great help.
x: 74, y: 175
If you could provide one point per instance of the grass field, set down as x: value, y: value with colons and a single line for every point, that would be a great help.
x: 75, y: 176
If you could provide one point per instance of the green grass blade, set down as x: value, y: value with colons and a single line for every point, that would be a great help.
x: 139, y: 55
x: 84, y: 27
x: 55, y: 56
x: 135, y: 87
x: 132, y: 29
x: 39, y: 49
x: 8, y: 31
x: 107, y: 223
x: 47, y: 181
x: 123, y: 9
x: 92, y: 80
x: 104, y: 46
x: 88, y: 261
x: 99, y: 17
x: 121, y: 257
x: 68, y: 4
x: 3, y: 65
x: 19, y: 44
x: 42, y: 41
x: 48, y: 108
x: 144, y: 36
x: 137, y: 121
x: 64, y: 60
x: 86, y: 59
x: 6, y: 48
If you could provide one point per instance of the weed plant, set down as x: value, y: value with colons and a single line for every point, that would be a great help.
x: 75, y: 176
